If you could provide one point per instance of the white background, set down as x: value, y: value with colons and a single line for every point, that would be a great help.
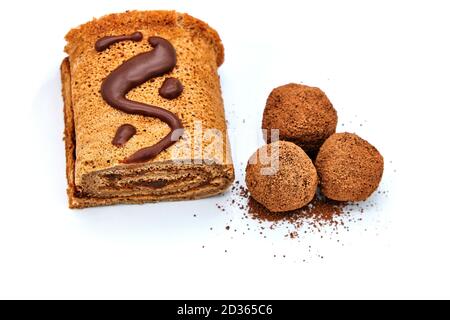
x: 383, y: 64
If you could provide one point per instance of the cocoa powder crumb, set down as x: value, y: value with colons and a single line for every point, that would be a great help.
x: 318, y: 213
x: 326, y: 218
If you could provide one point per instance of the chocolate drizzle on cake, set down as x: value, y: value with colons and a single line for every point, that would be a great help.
x: 171, y: 88
x: 105, y: 42
x: 131, y: 74
x: 124, y: 133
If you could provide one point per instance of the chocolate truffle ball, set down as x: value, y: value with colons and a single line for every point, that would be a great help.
x: 349, y: 167
x: 303, y: 114
x: 281, y: 183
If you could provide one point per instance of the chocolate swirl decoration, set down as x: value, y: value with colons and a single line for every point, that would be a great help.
x: 131, y: 74
x: 104, y: 43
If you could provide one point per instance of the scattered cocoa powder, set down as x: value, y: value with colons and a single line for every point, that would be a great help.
x: 318, y: 213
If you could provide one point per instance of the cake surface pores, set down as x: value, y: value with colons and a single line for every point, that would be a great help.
x: 292, y: 182
x: 350, y: 168
x: 135, y: 136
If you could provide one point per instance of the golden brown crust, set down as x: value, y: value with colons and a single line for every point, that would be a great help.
x: 69, y: 131
x: 137, y: 20
x: 350, y: 168
x: 90, y: 122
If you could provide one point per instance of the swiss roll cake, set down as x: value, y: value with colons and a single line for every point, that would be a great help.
x: 143, y: 110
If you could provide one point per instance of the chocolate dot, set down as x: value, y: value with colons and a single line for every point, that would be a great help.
x: 124, y: 133
x: 171, y: 88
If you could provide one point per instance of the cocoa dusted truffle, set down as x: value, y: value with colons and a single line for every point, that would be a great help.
x: 281, y: 177
x: 303, y: 114
x: 349, y: 167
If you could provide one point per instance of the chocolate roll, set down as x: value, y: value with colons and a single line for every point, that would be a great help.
x: 144, y: 115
